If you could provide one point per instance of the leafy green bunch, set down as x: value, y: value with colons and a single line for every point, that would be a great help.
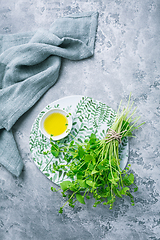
x: 93, y: 166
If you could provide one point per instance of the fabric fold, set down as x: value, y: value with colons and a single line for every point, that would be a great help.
x: 8, y: 152
x: 29, y: 66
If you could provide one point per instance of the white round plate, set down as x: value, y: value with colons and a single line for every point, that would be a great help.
x: 88, y: 116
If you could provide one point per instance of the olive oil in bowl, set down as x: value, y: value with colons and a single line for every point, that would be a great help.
x: 56, y: 123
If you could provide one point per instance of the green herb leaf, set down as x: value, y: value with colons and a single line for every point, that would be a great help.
x: 88, y: 158
x: 80, y: 151
x: 128, y: 179
x: 82, y: 183
x: 92, y: 138
x: 91, y: 167
x: 118, y: 193
x: 124, y: 190
x: 136, y: 189
x: 80, y: 198
x: 65, y: 185
x: 90, y: 183
x: 94, y: 171
x: 55, y: 150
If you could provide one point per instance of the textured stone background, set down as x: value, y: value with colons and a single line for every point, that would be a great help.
x: 126, y: 59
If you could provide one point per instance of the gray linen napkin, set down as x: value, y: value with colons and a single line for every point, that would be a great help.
x: 29, y: 66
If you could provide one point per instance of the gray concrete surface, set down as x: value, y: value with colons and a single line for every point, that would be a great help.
x: 126, y: 59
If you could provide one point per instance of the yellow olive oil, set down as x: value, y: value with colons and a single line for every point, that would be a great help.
x: 55, y: 124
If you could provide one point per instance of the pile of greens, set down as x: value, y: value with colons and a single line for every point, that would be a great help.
x: 93, y: 166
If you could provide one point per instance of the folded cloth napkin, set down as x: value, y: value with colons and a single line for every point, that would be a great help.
x: 29, y: 66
